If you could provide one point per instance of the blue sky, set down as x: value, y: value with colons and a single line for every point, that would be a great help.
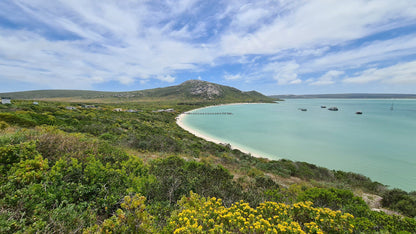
x: 275, y: 47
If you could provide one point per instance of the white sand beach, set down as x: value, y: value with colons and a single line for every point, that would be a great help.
x: 180, y: 122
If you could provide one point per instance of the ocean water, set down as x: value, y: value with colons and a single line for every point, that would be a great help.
x: 380, y: 143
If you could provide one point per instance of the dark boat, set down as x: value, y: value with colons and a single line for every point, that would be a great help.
x: 333, y: 108
x: 359, y: 113
x: 303, y: 109
x: 323, y: 106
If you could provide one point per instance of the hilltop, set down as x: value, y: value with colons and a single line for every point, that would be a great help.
x: 191, y: 90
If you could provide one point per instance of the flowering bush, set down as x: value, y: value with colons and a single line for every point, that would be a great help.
x: 208, y: 215
x: 131, y: 218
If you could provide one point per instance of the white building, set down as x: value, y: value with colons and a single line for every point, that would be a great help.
x: 6, y: 100
x: 165, y: 110
x: 132, y: 111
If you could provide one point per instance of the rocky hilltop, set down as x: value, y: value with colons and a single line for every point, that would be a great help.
x: 200, y: 88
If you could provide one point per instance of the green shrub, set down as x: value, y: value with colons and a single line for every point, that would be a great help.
x: 3, y: 125
x: 131, y: 218
x: 174, y: 178
x: 335, y: 199
x: 20, y: 119
x: 12, y: 154
x: 400, y: 201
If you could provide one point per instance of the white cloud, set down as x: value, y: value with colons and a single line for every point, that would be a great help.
x: 232, y: 77
x: 126, y: 80
x: 113, y: 44
x: 284, y: 73
x: 180, y: 6
x: 401, y: 74
x: 327, y: 78
x: 166, y: 78
x: 368, y: 53
x: 80, y: 43
x: 249, y: 15
x: 317, y: 23
x: 296, y: 81
x: 98, y: 79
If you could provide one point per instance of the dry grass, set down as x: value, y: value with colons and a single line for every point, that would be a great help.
x: 53, y: 144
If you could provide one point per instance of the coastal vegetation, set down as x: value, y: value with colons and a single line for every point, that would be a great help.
x: 92, y: 169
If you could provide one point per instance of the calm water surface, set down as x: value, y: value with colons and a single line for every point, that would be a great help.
x: 380, y: 144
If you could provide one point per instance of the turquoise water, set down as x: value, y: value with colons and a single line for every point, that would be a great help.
x: 380, y: 144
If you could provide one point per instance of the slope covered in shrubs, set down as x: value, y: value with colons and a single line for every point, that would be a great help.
x: 95, y: 170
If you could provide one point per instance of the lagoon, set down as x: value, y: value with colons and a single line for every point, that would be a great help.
x: 380, y: 143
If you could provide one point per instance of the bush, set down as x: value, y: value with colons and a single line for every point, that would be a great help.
x: 208, y: 215
x: 12, y: 154
x: 80, y: 184
x: 174, y: 178
x: 335, y: 199
x: 400, y: 201
x: 3, y: 125
x: 131, y: 218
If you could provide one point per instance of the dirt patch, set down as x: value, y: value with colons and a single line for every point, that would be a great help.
x: 374, y: 202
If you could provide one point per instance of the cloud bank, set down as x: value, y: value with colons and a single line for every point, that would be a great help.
x: 85, y: 44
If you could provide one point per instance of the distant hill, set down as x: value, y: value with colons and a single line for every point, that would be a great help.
x: 347, y: 95
x: 191, y: 90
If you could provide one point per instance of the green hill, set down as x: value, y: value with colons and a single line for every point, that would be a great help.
x: 191, y: 90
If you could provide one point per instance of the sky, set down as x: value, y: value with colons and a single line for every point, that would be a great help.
x: 274, y: 47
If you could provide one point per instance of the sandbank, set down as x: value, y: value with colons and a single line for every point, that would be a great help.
x: 180, y: 122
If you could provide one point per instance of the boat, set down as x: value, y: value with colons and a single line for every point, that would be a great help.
x: 302, y: 109
x: 359, y: 113
x: 333, y: 108
x: 323, y: 106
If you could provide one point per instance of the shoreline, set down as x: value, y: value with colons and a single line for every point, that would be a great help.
x: 180, y: 123
x: 373, y: 168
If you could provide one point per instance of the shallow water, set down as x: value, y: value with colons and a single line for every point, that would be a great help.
x: 380, y: 143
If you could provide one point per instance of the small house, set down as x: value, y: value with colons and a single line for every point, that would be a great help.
x: 70, y: 108
x: 35, y: 103
x: 164, y: 110
x: 132, y: 111
x: 6, y: 100
x: 118, y: 110
x: 89, y: 106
